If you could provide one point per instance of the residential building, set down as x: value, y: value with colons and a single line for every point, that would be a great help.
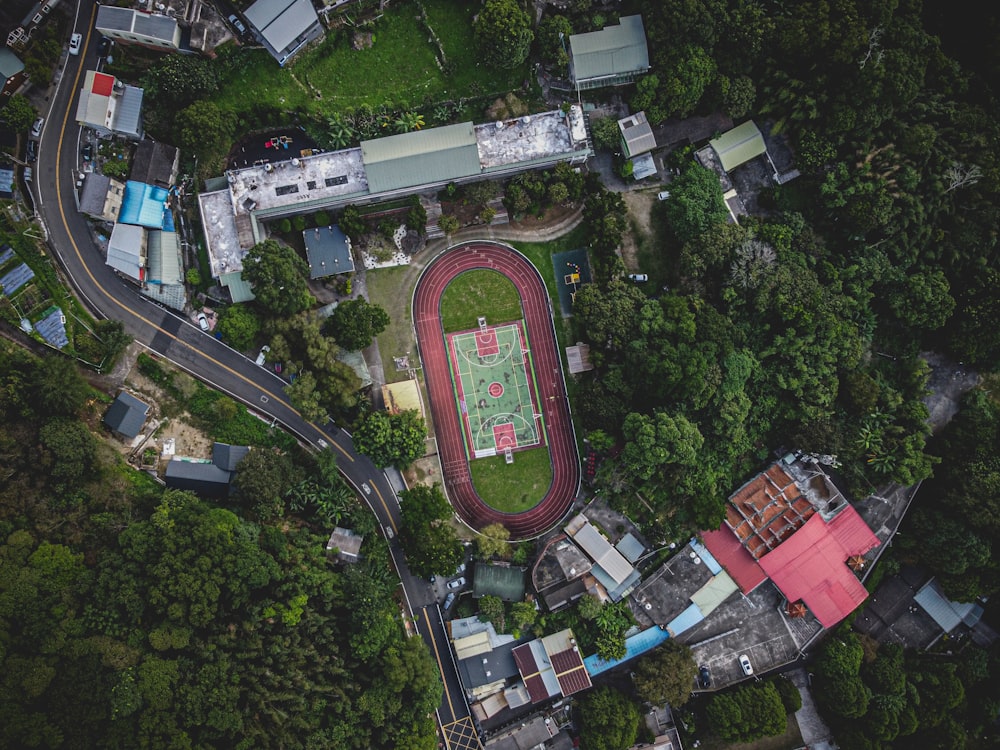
x: 552, y: 667
x: 328, y: 251
x: 739, y: 145
x: 614, y: 56
x: 127, y: 251
x: 284, y: 27
x: 210, y: 478
x: 637, y: 141
x: 155, y: 163
x: 347, y: 544
x: 101, y: 197
x: 110, y: 106
x: 131, y: 26
x: 12, y: 73
x: 126, y: 416
x: 610, y: 567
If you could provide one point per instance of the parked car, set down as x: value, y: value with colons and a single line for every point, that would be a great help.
x: 36, y: 129
x: 704, y: 677
x: 457, y: 583
x: 87, y: 152
x: 104, y: 46
x: 448, y: 601
x: 237, y: 24
x: 639, y: 277
x: 277, y: 367
x: 74, y: 44
x: 31, y: 152
x: 746, y: 665
x: 203, y: 321
x: 262, y: 357
x: 663, y: 195
x: 460, y: 569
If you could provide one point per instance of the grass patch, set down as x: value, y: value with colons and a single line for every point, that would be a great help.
x: 386, y: 289
x: 334, y: 77
x: 475, y: 293
x: 516, y: 488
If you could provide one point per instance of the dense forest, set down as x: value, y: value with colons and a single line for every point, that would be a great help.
x: 133, y: 616
x: 800, y: 327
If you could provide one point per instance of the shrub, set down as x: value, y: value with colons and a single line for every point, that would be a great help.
x: 284, y: 226
x: 299, y: 223
x: 321, y: 219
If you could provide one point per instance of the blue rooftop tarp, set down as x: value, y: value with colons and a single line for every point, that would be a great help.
x: 710, y: 562
x: 145, y: 206
x: 685, y: 620
x: 635, y: 645
x: 53, y: 327
x: 6, y: 183
x: 17, y: 278
x: 6, y: 253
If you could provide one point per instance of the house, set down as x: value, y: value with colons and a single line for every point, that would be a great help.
x: 126, y: 416
x: 101, y: 197
x: 637, y: 137
x: 284, y: 26
x: 110, y: 106
x: 146, y: 206
x: 614, y: 56
x: 739, y: 145
x: 127, y: 251
x: 347, y: 544
x: 164, y: 269
x: 211, y: 478
x: 328, y: 251
x: 155, y: 163
x: 130, y: 26
x: 610, y: 567
x: 552, y: 667
x: 11, y: 72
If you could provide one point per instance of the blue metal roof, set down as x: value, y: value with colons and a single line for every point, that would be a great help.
x: 52, y: 327
x: 685, y: 620
x: 635, y: 645
x: 6, y: 253
x: 17, y: 278
x: 145, y: 205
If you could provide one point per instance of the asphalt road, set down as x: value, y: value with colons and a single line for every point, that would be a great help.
x: 180, y: 341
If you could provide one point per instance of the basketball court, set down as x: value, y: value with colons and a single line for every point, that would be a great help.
x: 495, y: 389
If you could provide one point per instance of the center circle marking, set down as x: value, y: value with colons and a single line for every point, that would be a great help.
x: 495, y: 389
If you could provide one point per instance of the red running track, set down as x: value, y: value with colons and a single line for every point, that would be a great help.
x: 548, y: 376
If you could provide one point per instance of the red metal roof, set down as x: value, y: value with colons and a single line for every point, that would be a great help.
x: 570, y: 671
x: 731, y: 555
x: 103, y: 84
x: 812, y: 565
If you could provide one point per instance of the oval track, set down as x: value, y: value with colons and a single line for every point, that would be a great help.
x: 548, y: 376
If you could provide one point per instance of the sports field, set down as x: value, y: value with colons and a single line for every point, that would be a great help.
x: 491, y: 370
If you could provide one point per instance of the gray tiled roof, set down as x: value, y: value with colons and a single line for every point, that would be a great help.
x: 126, y: 415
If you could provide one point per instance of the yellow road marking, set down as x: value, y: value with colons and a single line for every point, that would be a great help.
x: 437, y: 655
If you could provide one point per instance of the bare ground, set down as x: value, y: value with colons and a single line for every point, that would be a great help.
x: 640, y: 213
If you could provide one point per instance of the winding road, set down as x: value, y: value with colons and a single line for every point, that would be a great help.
x: 548, y: 377
x: 176, y: 339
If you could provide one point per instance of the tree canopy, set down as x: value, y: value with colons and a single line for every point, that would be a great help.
x: 277, y: 276
x: 391, y: 439
x: 355, y: 323
x: 429, y: 541
x: 503, y: 33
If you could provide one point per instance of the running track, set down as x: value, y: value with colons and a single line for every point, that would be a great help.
x: 548, y: 376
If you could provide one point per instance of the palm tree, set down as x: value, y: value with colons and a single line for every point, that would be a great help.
x: 339, y: 131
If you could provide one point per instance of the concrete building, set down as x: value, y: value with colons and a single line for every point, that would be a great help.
x: 131, y: 26
x: 101, y: 197
x: 284, y: 27
x: 614, y: 56
x: 110, y: 106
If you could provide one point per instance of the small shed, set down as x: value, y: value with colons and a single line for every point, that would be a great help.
x: 637, y: 136
x: 347, y: 544
x: 126, y: 416
x: 578, y: 357
x: 402, y: 396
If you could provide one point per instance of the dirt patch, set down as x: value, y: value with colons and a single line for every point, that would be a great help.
x: 188, y: 439
x: 640, y: 214
x: 552, y: 216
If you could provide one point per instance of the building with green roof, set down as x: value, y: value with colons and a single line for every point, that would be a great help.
x: 614, y: 56
x: 739, y: 145
x: 408, y: 160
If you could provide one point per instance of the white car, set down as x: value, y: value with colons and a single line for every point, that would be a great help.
x: 74, y: 44
x: 746, y: 665
x: 36, y: 129
x: 262, y: 357
x: 237, y: 24
x: 203, y: 321
x: 663, y: 195
x: 639, y: 277
x: 457, y: 583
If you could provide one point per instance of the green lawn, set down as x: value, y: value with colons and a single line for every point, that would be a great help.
x: 476, y: 293
x: 515, y: 488
x: 399, y: 70
x: 385, y: 288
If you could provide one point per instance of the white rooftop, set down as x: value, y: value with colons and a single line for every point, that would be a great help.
x: 523, y: 139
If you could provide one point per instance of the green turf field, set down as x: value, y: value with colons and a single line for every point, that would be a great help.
x: 493, y: 386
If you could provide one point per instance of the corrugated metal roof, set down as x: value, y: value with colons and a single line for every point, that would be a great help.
x: 52, y: 327
x: 16, y: 278
x: 614, y: 50
x: 227, y: 456
x: 739, y: 145
x: 113, y: 19
x: 715, y: 592
x: 238, y: 288
x: 636, y: 134
x: 812, y: 565
x: 126, y: 249
x: 601, y: 551
x: 946, y: 613
x: 685, y: 620
x: 6, y: 253
x: 281, y: 22
x: 144, y: 205
x: 94, y: 193
x: 630, y: 547
x: 739, y: 563
x: 420, y: 158
x: 197, y: 476
x: 163, y: 257
x: 128, y: 113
